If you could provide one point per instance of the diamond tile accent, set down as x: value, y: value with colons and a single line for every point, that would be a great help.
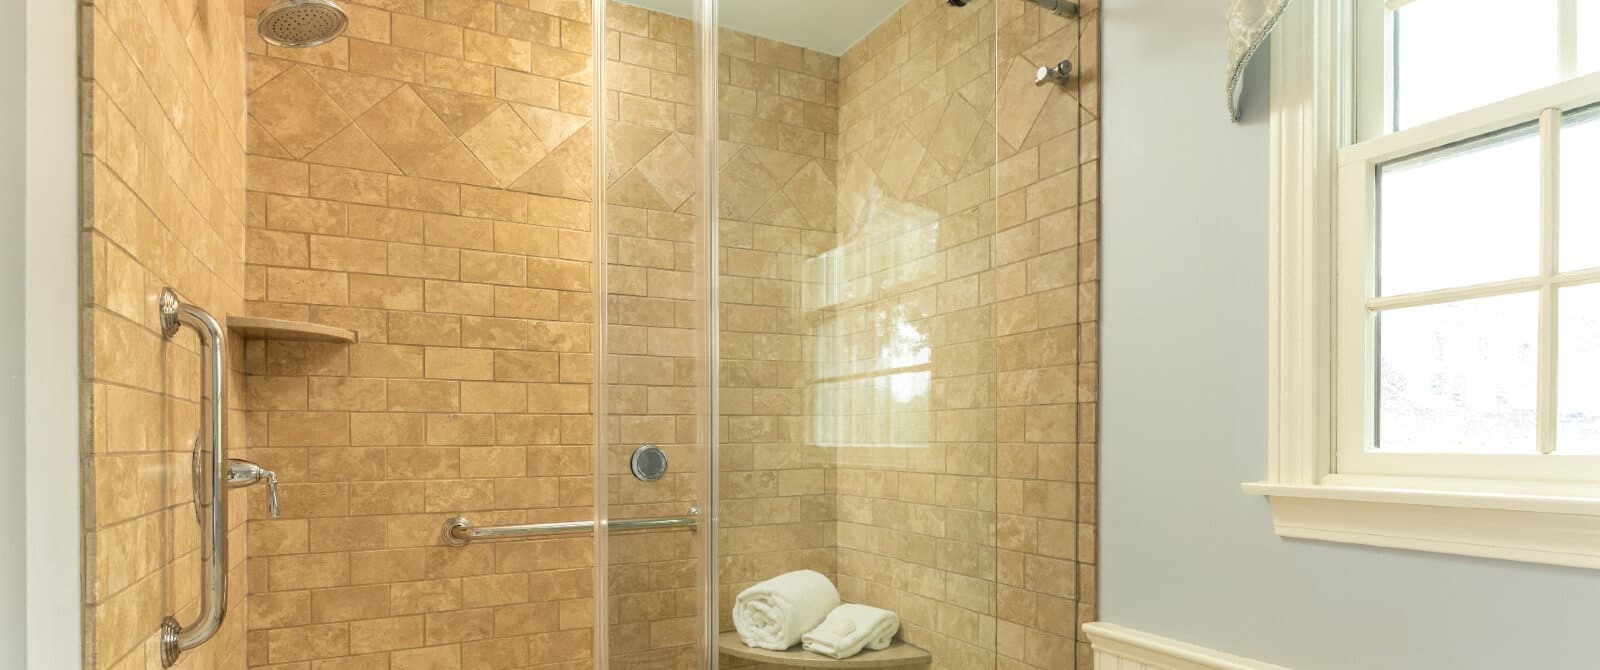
x: 551, y: 126
x: 1023, y: 100
x: 900, y: 166
x: 262, y: 143
x: 929, y: 177
x: 263, y: 70
x: 548, y: 177
x: 505, y: 145
x: 576, y: 157
x: 626, y: 144
x: 779, y: 211
x: 812, y: 193
x: 954, y: 134
x: 780, y: 164
x: 352, y: 148
x: 296, y: 112
x: 633, y: 190
x: 744, y: 185
x: 355, y: 93
x: 664, y: 169
x: 419, y: 143
x: 459, y: 111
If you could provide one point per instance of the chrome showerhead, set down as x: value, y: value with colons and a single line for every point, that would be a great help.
x: 301, y: 23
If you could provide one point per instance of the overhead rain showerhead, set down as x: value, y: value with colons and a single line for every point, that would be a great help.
x: 301, y: 23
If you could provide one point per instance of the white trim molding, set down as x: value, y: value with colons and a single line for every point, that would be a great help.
x: 1308, y: 121
x: 1120, y: 648
x: 1554, y: 530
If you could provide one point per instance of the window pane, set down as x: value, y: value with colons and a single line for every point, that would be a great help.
x: 1588, y: 36
x: 1459, y: 377
x: 1454, y: 55
x: 1580, y: 200
x: 1578, y: 421
x: 1460, y: 215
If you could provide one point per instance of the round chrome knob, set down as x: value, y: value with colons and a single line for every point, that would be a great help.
x: 649, y: 463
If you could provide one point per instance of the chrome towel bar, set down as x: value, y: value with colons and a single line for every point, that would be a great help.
x: 459, y: 532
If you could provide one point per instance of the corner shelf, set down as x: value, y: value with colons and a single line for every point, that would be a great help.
x: 899, y: 654
x: 254, y: 327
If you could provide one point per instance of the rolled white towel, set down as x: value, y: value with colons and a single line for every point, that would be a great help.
x: 773, y: 614
x: 850, y: 627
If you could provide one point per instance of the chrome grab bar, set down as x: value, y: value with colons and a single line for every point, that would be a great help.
x: 458, y: 531
x: 175, y: 638
x: 225, y: 473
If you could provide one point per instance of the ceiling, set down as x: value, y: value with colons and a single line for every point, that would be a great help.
x: 829, y: 26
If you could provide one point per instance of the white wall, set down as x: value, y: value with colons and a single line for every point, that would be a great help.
x: 1184, y: 553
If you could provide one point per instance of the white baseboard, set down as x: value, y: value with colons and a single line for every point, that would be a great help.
x: 1119, y: 648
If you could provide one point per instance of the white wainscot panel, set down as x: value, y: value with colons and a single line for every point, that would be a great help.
x: 1120, y: 648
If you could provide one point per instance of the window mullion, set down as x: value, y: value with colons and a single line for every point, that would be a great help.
x: 1566, y: 39
x: 1456, y: 294
x: 1549, y: 224
x: 1577, y: 278
x: 1391, y: 70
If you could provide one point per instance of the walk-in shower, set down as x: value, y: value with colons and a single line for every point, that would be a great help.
x: 560, y: 324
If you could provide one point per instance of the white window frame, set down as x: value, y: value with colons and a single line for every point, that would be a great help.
x: 1357, y: 200
x: 1524, y: 511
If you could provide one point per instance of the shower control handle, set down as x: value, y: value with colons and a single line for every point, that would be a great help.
x: 243, y: 473
x: 1053, y: 75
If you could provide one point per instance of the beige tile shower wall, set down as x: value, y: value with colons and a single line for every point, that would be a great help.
x: 424, y: 180
x: 912, y: 364
x: 1047, y: 288
x: 163, y: 180
x: 654, y: 335
x: 778, y: 118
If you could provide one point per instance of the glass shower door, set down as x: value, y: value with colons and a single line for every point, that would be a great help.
x: 776, y: 200
x: 860, y: 312
x: 656, y: 338
x: 882, y: 383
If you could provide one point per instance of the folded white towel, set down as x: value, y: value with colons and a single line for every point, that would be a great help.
x: 850, y: 627
x: 773, y: 614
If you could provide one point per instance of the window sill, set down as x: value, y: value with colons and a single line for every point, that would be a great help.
x: 1530, y: 528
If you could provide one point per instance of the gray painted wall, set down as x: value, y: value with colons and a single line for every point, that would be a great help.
x: 13, y: 576
x: 40, y: 581
x: 1184, y: 553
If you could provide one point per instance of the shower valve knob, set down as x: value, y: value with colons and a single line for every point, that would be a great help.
x: 1057, y: 75
x: 244, y: 473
